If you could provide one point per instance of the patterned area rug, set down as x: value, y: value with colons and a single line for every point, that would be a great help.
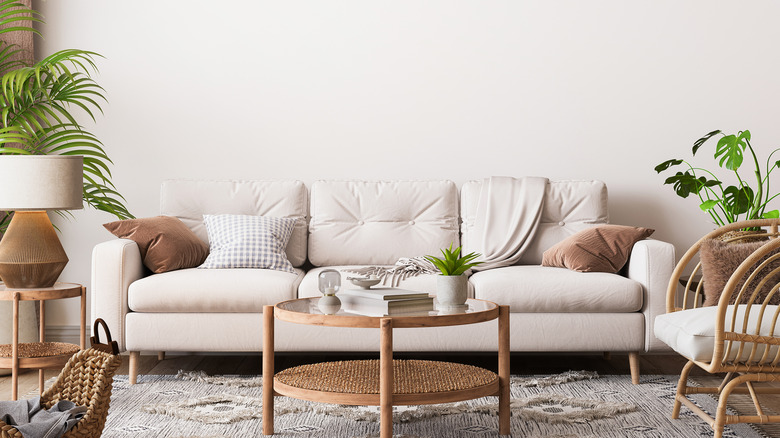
x: 573, y: 404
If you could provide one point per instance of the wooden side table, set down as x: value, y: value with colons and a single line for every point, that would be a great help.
x: 41, y: 355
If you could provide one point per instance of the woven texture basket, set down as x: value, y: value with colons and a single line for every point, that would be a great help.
x: 86, y: 380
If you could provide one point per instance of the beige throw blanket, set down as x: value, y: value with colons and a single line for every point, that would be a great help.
x: 508, y: 214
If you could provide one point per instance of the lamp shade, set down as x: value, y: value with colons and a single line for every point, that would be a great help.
x: 41, y: 182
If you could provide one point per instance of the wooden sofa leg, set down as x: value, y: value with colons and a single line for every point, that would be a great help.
x: 135, y: 357
x: 160, y: 355
x: 633, y: 362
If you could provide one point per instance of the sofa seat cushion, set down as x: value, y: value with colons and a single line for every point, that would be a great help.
x: 212, y: 290
x: 692, y: 332
x: 542, y: 289
x: 422, y: 283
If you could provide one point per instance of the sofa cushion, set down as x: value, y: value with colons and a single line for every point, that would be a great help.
x: 692, y: 332
x: 243, y: 241
x: 604, y: 248
x: 165, y: 243
x: 422, y: 283
x: 378, y: 222
x: 542, y: 289
x: 569, y: 207
x: 189, y: 200
x: 210, y: 291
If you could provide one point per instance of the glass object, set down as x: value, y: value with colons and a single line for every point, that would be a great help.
x: 329, y: 284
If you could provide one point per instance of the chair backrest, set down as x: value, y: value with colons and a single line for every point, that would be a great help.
x: 744, y: 259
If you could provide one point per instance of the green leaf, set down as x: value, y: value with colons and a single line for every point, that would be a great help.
x: 698, y: 143
x: 737, y: 200
x: 667, y: 164
x: 774, y: 214
x: 708, y: 205
x: 731, y: 150
x: 686, y: 183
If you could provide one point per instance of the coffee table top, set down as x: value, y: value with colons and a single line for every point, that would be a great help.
x: 305, y: 311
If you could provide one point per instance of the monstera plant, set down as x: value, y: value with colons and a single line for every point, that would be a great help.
x: 748, y: 198
x: 38, y: 105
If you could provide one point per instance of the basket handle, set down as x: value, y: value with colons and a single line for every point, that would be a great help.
x: 110, y: 346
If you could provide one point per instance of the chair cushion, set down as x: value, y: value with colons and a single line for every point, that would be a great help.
x: 542, y: 289
x: 719, y: 260
x: 692, y: 332
x: 212, y: 291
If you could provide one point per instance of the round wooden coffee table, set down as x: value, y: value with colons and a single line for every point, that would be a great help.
x: 385, y: 382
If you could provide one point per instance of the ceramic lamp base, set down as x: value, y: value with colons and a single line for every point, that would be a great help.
x: 31, y: 254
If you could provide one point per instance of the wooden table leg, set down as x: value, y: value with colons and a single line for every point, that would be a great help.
x: 268, y: 370
x: 504, y: 427
x: 15, y: 349
x: 41, y: 338
x: 83, y: 333
x: 386, y: 378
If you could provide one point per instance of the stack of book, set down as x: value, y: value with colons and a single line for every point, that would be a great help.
x: 385, y: 301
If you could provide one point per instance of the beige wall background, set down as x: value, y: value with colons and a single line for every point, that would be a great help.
x: 248, y: 89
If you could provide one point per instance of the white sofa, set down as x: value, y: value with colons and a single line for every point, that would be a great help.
x: 369, y: 223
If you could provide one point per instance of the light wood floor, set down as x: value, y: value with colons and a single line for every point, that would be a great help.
x: 520, y: 364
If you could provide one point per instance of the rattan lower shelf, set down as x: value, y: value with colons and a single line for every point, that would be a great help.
x: 356, y: 382
x: 38, y: 354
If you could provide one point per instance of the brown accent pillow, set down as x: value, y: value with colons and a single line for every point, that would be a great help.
x: 720, y: 259
x: 166, y: 244
x: 604, y: 248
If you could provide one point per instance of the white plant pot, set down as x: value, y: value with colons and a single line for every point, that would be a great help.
x: 452, y: 290
x: 329, y: 304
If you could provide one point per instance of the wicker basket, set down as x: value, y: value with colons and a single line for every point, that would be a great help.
x: 86, y: 380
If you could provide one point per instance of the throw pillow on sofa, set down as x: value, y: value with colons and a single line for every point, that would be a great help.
x: 720, y: 259
x: 165, y: 243
x: 603, y: 248
x: 243, y: 241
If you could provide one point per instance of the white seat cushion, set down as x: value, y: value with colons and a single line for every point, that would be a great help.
x: 212, y: 290
x: 543, y: 289
x: 692, y: 332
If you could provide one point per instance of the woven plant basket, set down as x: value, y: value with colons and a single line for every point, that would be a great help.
x: 86, y: 380
x: 744, y: 236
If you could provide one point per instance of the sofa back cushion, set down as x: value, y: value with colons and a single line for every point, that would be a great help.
x: 189, y: 200
x: 377, y: 222
x: 569, y: 207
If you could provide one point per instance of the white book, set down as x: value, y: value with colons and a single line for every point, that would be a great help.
x: 384, y: 293
x: 374, y: 307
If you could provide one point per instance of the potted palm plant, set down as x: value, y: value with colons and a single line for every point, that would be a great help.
x: 36, y: 110
x: 727, y: 204
x: 452, y: 284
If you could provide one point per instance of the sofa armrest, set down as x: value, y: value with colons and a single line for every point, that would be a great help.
x: 651, y: 264
x: 115, y: 265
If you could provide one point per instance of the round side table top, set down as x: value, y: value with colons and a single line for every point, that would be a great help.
x: 305, y: 311
x: 59, y: 290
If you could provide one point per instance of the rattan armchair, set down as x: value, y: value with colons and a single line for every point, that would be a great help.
x: 739, y: 336
x: 86, y: 380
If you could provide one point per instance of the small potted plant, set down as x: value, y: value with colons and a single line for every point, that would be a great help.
x: 452, y: 285
x: 726, y: 204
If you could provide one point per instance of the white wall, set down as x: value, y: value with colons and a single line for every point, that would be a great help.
x: 601, y: 89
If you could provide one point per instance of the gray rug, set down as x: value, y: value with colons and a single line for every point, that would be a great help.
x: 574, y: 404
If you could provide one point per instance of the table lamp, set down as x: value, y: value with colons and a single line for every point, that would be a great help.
x: 31, y: 255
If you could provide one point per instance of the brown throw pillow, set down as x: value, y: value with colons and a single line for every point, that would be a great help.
x: 604, y: 248
x: 166, y: 244
x: 720, y: 259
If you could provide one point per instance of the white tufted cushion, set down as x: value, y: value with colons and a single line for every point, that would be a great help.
x: 692, y: 332
x: 189, y: 200
x: 569, y: 207
x: 377, y: 222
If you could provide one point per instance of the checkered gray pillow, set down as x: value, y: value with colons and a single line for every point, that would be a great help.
x: 241, y: 241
